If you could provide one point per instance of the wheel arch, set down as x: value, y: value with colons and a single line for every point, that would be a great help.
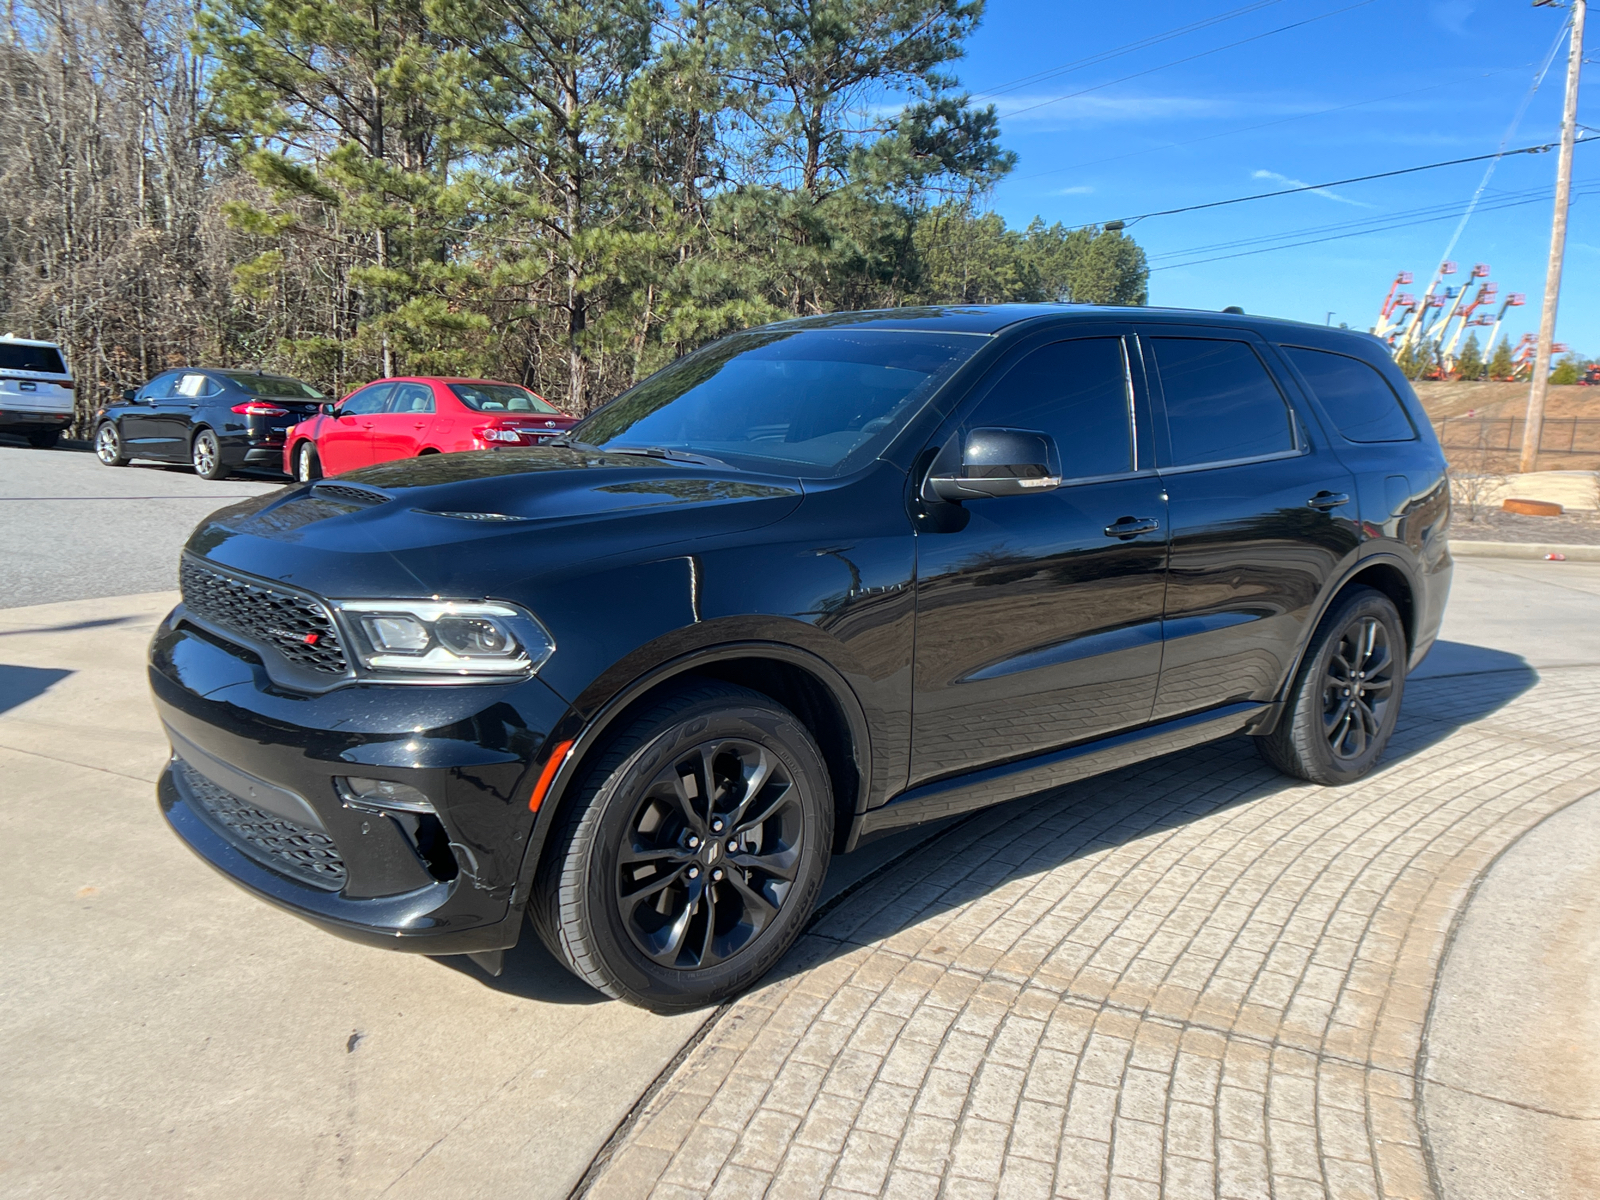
x: 1384, y: 573
x: 798, y: 679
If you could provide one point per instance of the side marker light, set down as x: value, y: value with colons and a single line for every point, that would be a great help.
x: 548, y: 775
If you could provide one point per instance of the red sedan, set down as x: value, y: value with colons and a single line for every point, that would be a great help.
x: 405, y: 418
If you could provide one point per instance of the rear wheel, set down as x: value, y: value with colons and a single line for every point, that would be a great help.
x: 693, y: 853
x: 1346, y: 699
x: 108, y: 446
x: 44, y: 441
x: 206, y: 454
x: 306, y: 467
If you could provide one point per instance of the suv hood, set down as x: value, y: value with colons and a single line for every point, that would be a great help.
x: 481, y: 523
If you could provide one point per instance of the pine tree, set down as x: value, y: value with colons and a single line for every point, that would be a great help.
x: 1470, y: 364
x: 1501, y: 366
x: 1568, y: 370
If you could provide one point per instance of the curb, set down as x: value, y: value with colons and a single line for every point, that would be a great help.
x: 1538, y: 550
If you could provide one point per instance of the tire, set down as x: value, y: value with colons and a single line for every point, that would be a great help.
x: 205, y: 452
x: 307, y: 467
x: 108, y: 447
x: 1346, y: 698
x: 643, y: 893
x: 44, y: 441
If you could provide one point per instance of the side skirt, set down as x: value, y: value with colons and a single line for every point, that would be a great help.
x: 996, y: 785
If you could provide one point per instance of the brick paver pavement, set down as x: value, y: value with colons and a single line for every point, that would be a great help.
x: 1193, y: 978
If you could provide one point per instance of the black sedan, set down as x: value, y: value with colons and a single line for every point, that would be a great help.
x: 214, y: 420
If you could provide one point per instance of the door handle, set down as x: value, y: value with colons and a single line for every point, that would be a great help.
x: 1323, y: 501
x: 1126, y: 527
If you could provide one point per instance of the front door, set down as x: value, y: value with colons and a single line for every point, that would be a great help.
x: 138, y: 423
x: 398, y: 431
x: 1261, y: 518
x: 1039, y: 616
x: 345, y: 440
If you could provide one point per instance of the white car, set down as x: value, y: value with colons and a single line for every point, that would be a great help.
x: 35, y: 390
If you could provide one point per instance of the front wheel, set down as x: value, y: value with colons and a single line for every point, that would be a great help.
x: 206, y: 454
x: 693, y: 853
x: 1346, y: 698
x: 108, y: 446
x: 306, y: 467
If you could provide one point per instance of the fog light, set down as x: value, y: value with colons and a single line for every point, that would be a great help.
x: 383, y: 795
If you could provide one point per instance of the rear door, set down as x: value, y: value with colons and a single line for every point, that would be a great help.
x: 1261, y: 511
x: 401, y: 428
x: 172, y: 416
x: 1038, y: 622
x: 345, y: 443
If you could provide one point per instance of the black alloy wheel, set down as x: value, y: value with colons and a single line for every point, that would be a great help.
x: 206, y: 454
x: 306, y: 467
x: 693, y: 852
x: 1356, y: 688
x: 108, y: 446
x: 710, y: 854
x: 1345, y: 702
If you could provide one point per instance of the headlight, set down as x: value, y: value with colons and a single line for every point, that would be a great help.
x: 442, y: 637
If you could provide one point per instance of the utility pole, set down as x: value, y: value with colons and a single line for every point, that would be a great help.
x: 1533, y: 427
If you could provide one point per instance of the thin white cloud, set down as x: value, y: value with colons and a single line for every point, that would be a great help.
x: 1040, y: 108
x: 1082, y: 189
x: 1300, y: 183
x: 1451, y: 15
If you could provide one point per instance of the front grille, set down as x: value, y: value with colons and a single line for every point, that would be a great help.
x: 291, y: 849
x: 350, y: 493
x: 295, y: 626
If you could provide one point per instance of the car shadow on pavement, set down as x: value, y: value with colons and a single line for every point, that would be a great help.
x: 1138, y: 801
x: 1444, y: 704
x: 531, y: 973
x: 99, y: 623
x: 18, y: 685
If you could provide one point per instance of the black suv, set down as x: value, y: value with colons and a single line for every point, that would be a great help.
x: 214, y: 420
x: 812, y: 583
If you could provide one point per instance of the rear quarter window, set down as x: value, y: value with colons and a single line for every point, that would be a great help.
x: 1357, y: 399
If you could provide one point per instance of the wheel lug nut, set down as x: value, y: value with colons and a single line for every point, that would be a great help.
x: 733, y: 847
x: 694, y: 843
x: 716, y: 827
x: 694, y: 872
x: 716, y: 876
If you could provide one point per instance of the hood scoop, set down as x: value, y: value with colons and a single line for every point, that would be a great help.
x: 350, y: 493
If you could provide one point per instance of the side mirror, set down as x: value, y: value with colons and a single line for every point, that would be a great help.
x: 327, y: 408
x: 129, y: 395
x: 997, y: 462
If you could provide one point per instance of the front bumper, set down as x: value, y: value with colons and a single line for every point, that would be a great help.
x: 250, y: 755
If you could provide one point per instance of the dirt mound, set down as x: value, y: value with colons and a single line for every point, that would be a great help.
x: 1504, y: 400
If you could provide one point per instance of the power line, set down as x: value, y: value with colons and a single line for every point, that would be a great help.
x: 1316, y: 187
x: 1192, y: 57
x: 1361, y: 232
x: 1359, y: 225
x: 1127, y: 48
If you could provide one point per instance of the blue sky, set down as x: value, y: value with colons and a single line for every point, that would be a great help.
x: 1411, y: 82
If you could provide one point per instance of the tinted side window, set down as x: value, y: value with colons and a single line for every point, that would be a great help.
x: 1355, y: 396
x: 1221, y: 403
x: 159, y: 387
x: 411, y: 398
x: 367, y: 401
x: 1075, y: 391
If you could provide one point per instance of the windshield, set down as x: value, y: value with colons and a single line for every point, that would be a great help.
x: 276, y: 387
x: 809, y: 402
x: 500, y: 397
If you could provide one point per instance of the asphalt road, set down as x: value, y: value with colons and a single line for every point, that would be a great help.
x: 71, y: 529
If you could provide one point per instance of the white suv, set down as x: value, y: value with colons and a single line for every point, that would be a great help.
x: 35, y: 390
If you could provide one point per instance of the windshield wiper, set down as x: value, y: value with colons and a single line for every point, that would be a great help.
x: 662, y: 452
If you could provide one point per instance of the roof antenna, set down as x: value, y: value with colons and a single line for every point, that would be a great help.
x: 1234, y: 310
